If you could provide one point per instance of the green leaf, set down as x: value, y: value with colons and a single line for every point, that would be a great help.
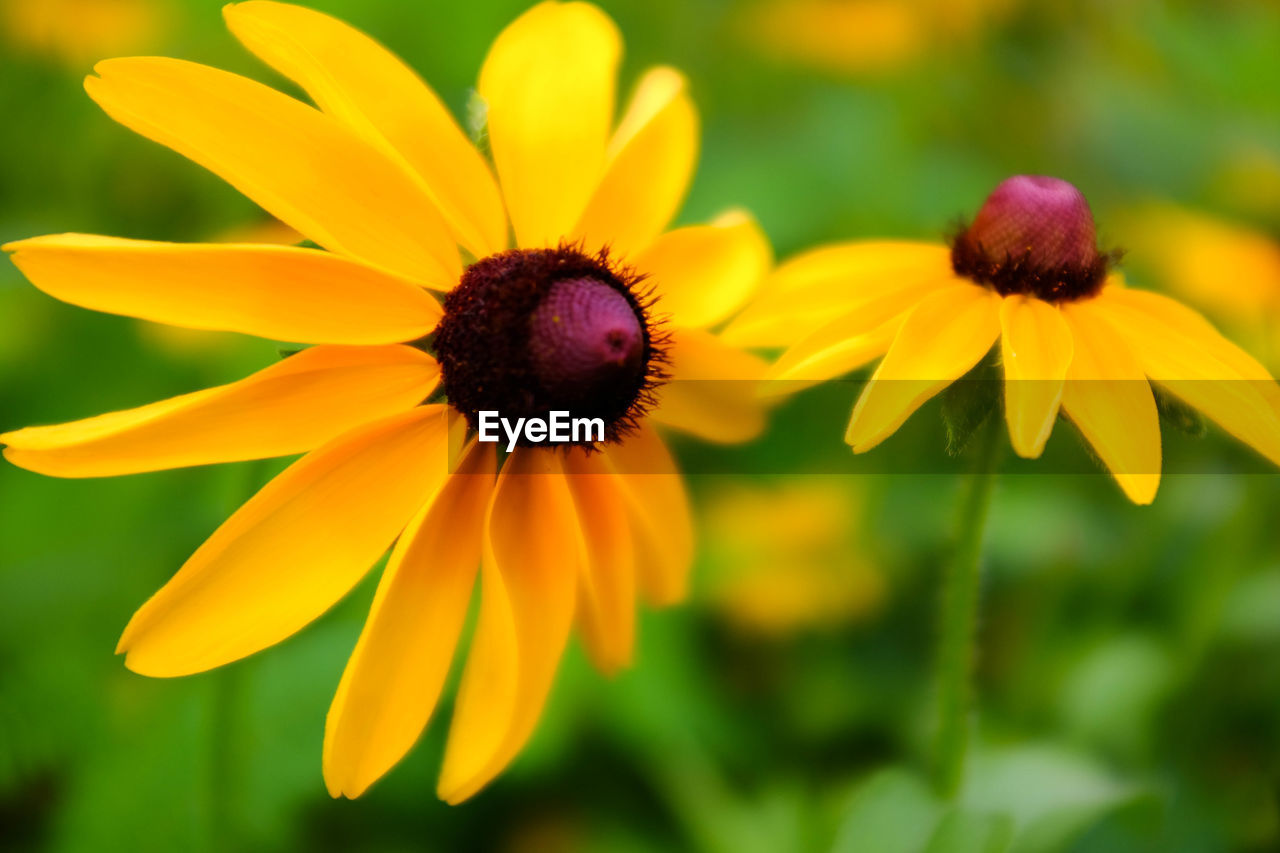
x: 1179, y: 415
x: 892, y: 812
x: 1050, y: 793
x: 967, y: 404
x: 972, y: 832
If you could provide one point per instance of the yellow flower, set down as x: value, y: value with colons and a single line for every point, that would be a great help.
x: 1189, y: 252
x: 1026, y: 273
x: 783, y: 558
x: 77, y: 31
x: 858, y: 37
x: 385, y: 181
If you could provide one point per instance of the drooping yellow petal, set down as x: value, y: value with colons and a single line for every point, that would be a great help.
x: 606, y: 612
x: 290, y: 407
x: 806, y: 292
x: 701, y: 274
x: 1108, y: 398
x: 366, y: 87
x: 277, y: 292
x: 301, y: 166
x: 530, y: 572
x: 294, y: 549
x: 1036, y: 350
x: 658, y: 507
x: 549, y: 84
x: 713, y: 392
x: 1187, y: 323
x: 1181, y: 350
x: 843, y: 344
x: 394, y: 677
x: 945, y: 335
x: 651, y: 160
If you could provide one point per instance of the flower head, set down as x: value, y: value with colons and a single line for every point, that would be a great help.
x: 1026, y: 274
x: 530, y: 331
x: 1033, y: 235
x: 580, y: 298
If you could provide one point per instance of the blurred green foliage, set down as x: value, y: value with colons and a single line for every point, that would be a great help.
x: 1129, y: 676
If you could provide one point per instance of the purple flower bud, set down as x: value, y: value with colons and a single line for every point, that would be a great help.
x: 1047, y: 221
x: 1035, y: 235
x: 584, y: 335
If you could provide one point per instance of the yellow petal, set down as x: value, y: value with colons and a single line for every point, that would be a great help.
x: 658, y: 508
x: 277, y: 292
x: 549, y: 84
x: 1108, y: 398
x: 301, y: 166
x: 1185, y: 322
x: 651, y: 160
x: 713, y: 392
x: 290, y: 407
x: 1036, y: 350
x: 606, y: 615
x: 530, y: 572
x: 394, y: 677
x: 1194, y: 253
x: 703, y: 273
x: 366, y: 87
x: 293, y: 550
x: 945, y: 335
x: 1181, y: 350
x: 806, y: 292
x: 843, y: 344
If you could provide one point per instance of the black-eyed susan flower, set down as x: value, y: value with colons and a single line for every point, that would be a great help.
x: 75, y: 32
x: 1026, y: 273
x: 1188, y: 251
x: 858, y: 37
x: 587, y: 308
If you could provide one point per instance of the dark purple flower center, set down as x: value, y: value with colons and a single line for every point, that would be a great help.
x: 585, y: 334
x: 1034, y: 235
x: 532, y: 331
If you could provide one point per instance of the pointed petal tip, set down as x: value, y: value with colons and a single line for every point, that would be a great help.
x: 1027, y: 446
x: 145, y: 665
x: 1026, y: 451
x: 1139, y: 488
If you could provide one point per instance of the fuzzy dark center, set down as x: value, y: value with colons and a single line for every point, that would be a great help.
x: 1034, y: 235
x: 532, y: 331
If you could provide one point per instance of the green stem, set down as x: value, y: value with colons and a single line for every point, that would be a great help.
x: 957, y: 640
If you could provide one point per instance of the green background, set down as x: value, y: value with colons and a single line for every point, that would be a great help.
x: 1130, y: 674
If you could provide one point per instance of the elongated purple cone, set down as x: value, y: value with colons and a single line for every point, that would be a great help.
x: 1045, y: 221
x: 584, y: 335
x: 1034, y: 235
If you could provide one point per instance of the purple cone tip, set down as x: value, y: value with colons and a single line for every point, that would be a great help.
x: 583, y: 334
x: 1044, y: 221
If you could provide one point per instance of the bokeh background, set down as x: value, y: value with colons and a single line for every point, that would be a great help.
x: 1130, y: 667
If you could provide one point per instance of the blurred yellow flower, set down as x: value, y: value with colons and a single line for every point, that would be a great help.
x: 1026, y: 273
x: 784, y: 558
x: 384, y: 179
x: 857, y: 37
x: 77, y: 32
x: 1249, y: 179
x: 1230, y: 270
